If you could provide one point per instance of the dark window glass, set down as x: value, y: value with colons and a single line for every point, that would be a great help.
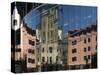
x: 89, y: 40
x: 74, y: 42
x: 50, y: 49
x: 31, y: 51
x: 89, y: 48
x: 56, y: 58
x: 50, y: 59
x: 96, y: 38
x: 43, y: 59
x: 84, y: 40
x: 88, y: 56
x: 74, y: 59
x: 31, y: 60
x: 96, y: 47
x: 42, y: 49
x: 74, y: 50
x: 84, y: 49
x: 31, y: 42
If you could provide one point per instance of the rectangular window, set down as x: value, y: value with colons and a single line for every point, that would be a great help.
x: 31, y: 42
x: 84, y: 49
x: 30, y: 51
x: 89, y: 48
x: 74, y: 50
x: 74, y: 42
x: 84, y: 40
x: 96, y: 38
x: 74, y: 59
x: 50, y: 49
x: 56, y: 58
x: 50, y: 59
x: 43, y: 59
x: 96, y: 47
x: 31, y: 60
x: 42, y: 49
x: 89, y: 40
x: 88, y: 56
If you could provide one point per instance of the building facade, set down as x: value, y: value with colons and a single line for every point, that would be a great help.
x: 23, y: 45
x: 82, y: 45
x: 49, y: 35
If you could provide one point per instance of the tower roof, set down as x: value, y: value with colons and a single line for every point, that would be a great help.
x: 15, y: 11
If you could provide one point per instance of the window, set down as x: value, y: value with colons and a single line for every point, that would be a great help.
x: 96, y: 38
x: 14, y: 22
x: 17, y: 35
x: 88, y: 56
x: 18, y: 50
x: 96, y: 47
x: 31, y: 42
x: 43, y: 59
x: 50, y: 49
x: 89, y: 48
x: 31, y: 51
x: 42, y: 49
x: 56, y: 58
x: 74, y: 42
x: 84, y: 49
x: 74, y: 59
x: 50, y: 59
x: 31, y: 60
x: 84, y: 40
x: 74, y: 50
x: 85, y: 58
x: 89, y: 40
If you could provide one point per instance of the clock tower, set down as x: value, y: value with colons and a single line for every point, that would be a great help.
x: 15, y: 18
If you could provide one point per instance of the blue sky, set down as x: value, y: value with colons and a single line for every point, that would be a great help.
x: 70, y: 17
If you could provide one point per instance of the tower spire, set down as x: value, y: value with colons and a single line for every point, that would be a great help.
x: 15, y: 9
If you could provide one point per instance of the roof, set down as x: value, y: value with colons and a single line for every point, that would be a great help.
x: 83, y: 31
x: 29, y: 30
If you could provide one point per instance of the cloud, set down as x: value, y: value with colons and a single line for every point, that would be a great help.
x: 89, y: 16
x: 65, y: 24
